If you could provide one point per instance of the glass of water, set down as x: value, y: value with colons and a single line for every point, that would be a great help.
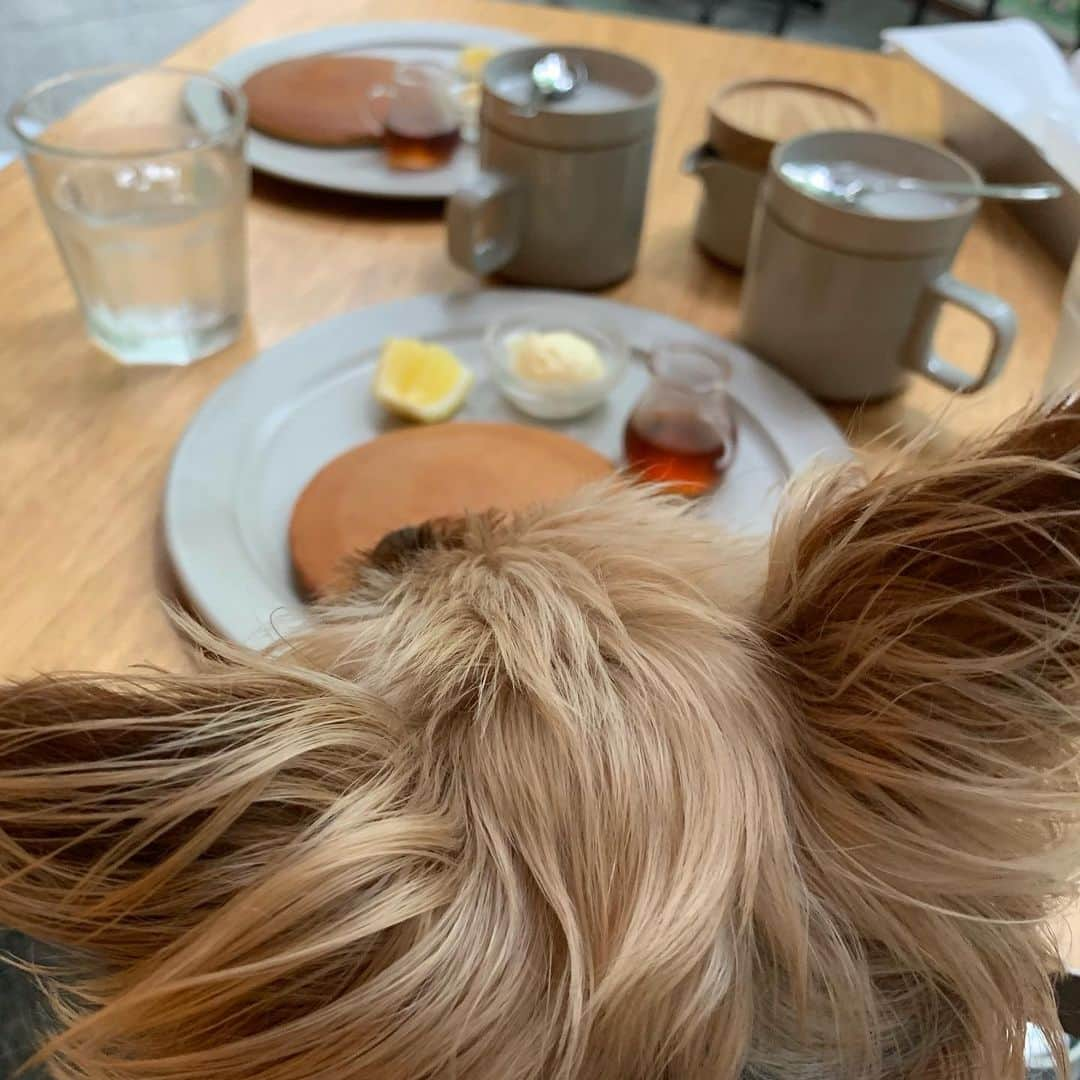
x: 140, y: 173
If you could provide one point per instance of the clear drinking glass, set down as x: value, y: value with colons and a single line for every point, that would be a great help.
x: 140, y: 173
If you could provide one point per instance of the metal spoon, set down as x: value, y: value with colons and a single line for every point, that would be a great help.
x: 847, y: 183
x: 552, y: 78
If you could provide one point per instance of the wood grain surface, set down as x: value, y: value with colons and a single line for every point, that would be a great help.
x: 85, y: 443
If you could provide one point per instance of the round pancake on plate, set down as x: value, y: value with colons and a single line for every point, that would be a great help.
x: 318, y: 100
x: 413, y: 475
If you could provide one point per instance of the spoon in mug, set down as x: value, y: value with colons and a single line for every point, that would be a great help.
x: 552, y: 78
x: 847, y: 183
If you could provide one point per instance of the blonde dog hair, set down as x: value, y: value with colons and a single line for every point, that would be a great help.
x: 592, y: 792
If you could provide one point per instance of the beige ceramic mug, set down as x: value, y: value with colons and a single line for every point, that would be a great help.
x: 846, y: 300
x: 559, y: 199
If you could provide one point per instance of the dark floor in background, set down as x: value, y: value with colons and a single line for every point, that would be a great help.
x: 18, y: 1001
x: 856, y: 23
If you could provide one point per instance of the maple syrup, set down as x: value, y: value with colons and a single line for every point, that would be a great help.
x: 685, y: 472
x: 681, y: 432
x: 416, y: 153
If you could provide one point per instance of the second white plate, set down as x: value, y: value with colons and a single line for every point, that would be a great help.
x: 259, y: 439
x: 362, y: 171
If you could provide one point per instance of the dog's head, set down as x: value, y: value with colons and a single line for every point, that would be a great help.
x: 593, y: 791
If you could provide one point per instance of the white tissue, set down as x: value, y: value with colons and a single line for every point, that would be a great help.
x: 1013, y: 68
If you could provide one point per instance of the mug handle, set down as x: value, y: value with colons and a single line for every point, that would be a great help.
x: 992, y: 310
x: 483, y: 222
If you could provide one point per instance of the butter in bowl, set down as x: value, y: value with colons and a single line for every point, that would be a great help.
x: 555, y: 367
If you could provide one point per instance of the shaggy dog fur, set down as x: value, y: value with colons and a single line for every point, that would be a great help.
x: 588, y: 793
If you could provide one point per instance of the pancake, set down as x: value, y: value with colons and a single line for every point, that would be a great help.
x: 318, y: 100
x: 412, y: 475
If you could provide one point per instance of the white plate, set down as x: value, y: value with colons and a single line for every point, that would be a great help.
x: 260, y: 438
x: 357, y: 170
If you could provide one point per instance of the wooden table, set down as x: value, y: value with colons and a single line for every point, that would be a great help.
x: 85, y: 443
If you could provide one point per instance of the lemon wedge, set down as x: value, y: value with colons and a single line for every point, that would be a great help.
x: 420, y: 381
x: 473, y: 59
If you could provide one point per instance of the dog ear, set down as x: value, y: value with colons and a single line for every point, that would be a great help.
x: 206, y: 848
x: 928, y: 625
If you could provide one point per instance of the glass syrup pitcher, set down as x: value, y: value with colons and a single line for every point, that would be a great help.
x: 681, y: 432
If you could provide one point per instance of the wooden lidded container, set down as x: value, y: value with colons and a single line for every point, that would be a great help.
x: 747, y: 120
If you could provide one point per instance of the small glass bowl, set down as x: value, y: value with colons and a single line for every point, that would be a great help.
x: 542, y: 400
